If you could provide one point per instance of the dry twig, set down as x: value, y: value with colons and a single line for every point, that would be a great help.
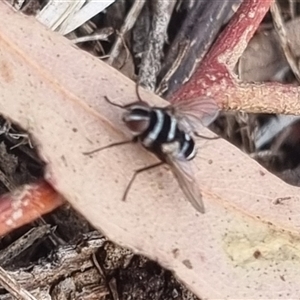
x: 128, y: 24
x: 23, y: 243
x: 151, y: 59
x: 14, y: 287
x: 99, y: 36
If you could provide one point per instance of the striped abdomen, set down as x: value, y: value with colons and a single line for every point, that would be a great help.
x: 155, y: 127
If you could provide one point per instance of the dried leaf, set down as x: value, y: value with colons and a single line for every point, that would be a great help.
x: 245, y: 246
x: 263, y: 56
x: 69, y: 15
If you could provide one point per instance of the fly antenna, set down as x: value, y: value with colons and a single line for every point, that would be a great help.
x: 113, y: 103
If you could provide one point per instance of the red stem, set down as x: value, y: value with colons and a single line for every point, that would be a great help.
x: 216, y: 68
x: 26, y: 204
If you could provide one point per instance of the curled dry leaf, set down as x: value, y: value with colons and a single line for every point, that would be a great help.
x: 264, y: 57
x: 247, y: 243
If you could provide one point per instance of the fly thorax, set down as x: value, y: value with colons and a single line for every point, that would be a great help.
x: 155, y: 134
x: 137, y: 120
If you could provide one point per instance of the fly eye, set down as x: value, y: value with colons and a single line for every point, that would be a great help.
x: 137, y: 126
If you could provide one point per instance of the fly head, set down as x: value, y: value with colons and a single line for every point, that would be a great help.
x: 137, y: 118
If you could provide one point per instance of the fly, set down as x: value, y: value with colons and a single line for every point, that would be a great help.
x: 167, y: 132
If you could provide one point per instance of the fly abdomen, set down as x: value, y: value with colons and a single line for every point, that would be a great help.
x: 167, y: 132
x: 187, y: 147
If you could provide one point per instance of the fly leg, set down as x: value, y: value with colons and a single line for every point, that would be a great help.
x: 109, y: 146
x: 206, y: 137
x: 137, y: 172
x: 126, y: 105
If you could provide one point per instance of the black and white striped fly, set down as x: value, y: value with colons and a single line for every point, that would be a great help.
x: 168, y: 133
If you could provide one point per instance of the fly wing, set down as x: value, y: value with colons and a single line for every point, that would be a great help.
x: 184, y: 175
x: 195, y: 113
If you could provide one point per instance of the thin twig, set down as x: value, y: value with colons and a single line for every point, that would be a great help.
x: 182, y: 50
x: 101, y: 36
x: 13, y: 287
x: 128, y: 24
x: 282, y: 34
